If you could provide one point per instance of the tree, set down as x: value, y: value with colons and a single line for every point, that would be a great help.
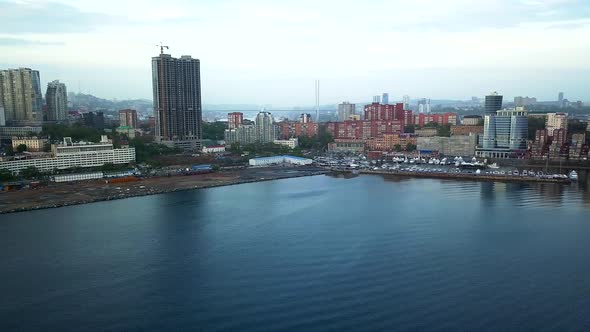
x: 409, y: 129
x: 9, y: 150
x: 6, y: 175
x: 535, y: 124
x: 398, y: 148
x: 576, y: 127
x: 444, y: 130
x: 30, y: 172
x: 214, y: 130
x: 21, y: 148
x: 410, y: 147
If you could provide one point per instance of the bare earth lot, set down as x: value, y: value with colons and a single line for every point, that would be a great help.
x: 62, y: 194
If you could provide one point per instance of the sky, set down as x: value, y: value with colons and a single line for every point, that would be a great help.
x: 271, y: 51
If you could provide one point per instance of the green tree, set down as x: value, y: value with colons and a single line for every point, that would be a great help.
x: 21, y: 148
x: 409, y: 129
x: 535, y: 123
x: 410, y: 147
x: 214, y: 130
x: 30, y: 172
x: 9, y: 150
x: 398, y: 148
x: 444, y: 130
x: 6, y: 175
x: 576, y: 126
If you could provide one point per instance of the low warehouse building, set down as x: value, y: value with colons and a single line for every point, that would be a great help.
x: 274, y: 160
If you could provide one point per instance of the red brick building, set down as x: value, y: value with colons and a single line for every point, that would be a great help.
x: 376, y: 111
x: 234, y: 120
x: 362, y: 129
x: 290, y: 129
x: 387, y: 142
x: 465, y: 130
x: 440, y: 119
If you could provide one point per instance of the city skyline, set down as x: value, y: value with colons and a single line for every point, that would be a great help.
x: 451, y: 50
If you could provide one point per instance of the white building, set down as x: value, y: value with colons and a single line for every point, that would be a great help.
x: 275, y: 160
x: 70, y: 155
x: 555, y: 121
x: 291, y: 142
x: 33, y: 144
x: 214, y: 149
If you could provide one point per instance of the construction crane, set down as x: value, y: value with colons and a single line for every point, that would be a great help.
x: 162, y: 47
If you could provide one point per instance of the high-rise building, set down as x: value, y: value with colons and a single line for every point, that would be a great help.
x: 493, y: 103
x: 385, y: 98
x: 505, y: 134
x: 128, y: 118
x: 20, y: 94
x: 524, y: 101
x: 376, y: 99
x: 265, y: 128
x: 305, y: 118
x: 424, y: 106
x: 2, y: 116
x: 345, y: 110
x: 555, y: 121
x: 57, y: 101
x: 235, y: 119
x: 406, y: 102
x: 177, y: 101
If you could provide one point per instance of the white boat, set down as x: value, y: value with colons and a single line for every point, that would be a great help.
x: 573, y: 176
x: 494, y: 166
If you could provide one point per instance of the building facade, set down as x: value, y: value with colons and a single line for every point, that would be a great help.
x: 555, y: 121
x: 2, y: 116
x: 291, y: 142
x: 472, y: 120
x: 422, y: 119
x: 505, y: 134
x: 265, y: 129
x: 20, y: 94
x: 9, y: 132
x: 345, y: 110
x: 364, y: 129
x: 466, y: 130
x: 128, y: 118
x: 389, y: 142
x: 72, y: 155
x: 34, y: 144
x: 493, y: 103
x: 234, y: 120
x: 56, y: 98
x: 177, y: 101
x: 449, y: 146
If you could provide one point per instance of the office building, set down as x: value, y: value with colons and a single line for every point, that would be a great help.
x: 2, y: 116
x: 422, y: 119
x: 385, y: 98
x: 493, y: 103
x: 406, y: 102
x: 34, y: 144
x: 234, y: 120
x: 7, y: 133
x: 449, y: 146
x: 345, y: 110
x: 177, y: 101
x: 245, y: 134
x: 94, y: 120
x: 128, y: 118
x: 265, y: 128
x: 376, y: 99
x: 291, y: 142
x: 505, y: 134
x: 56, y: 98
x: 73, y: 155
x: 524, y: 101
x: 472, y: 120
x: 555, y: 121
x: 20, y: 94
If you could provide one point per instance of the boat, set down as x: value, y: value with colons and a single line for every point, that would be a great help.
x: 494, y: 166
x: 573, y: 176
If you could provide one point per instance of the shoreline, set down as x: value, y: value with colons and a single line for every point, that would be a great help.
x: 151, y: 192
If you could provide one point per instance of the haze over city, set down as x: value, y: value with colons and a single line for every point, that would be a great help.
x: 266, y: 52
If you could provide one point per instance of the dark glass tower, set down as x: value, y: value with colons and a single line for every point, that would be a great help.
x: 177, y: 101
x: 493, y: 103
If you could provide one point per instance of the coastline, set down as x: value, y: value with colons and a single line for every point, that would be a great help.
x: 152, y: 190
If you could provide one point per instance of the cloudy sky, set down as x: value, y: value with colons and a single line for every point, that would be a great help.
x: 271, y: 51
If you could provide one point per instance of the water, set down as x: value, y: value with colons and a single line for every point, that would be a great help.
x: 313, y: 254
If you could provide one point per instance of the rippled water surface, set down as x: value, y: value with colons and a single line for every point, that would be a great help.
x: 305, y: 254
